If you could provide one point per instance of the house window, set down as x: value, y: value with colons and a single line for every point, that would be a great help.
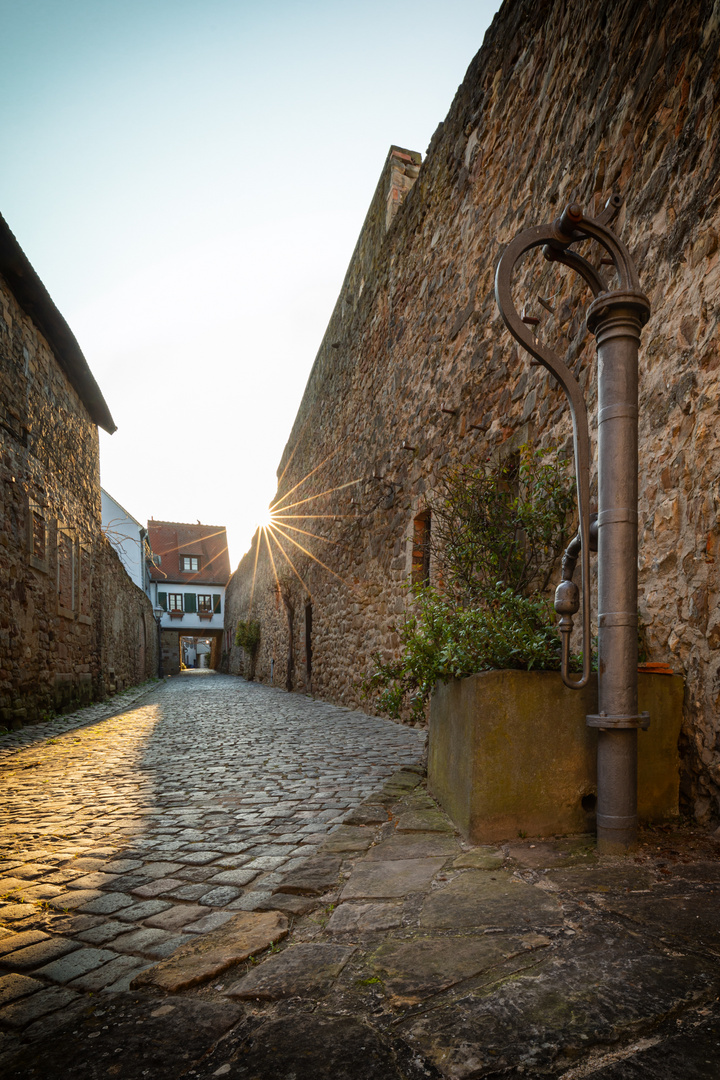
x: 204, y: 602
x: 175, y: 601
x: 421, y: 549
x: 189, y: 564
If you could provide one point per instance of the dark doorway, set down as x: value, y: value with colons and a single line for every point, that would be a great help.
x: 421, y: 549
x: 308, y: 643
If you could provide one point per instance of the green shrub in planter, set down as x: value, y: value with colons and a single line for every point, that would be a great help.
x: 497, y: 533
x: 441, y: 641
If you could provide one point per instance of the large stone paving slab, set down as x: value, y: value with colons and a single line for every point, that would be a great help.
x: 691, y: 919
x: 685, y: 1048
x: 416, y: 969
x: 415, y: 845
x: 598, y: 991
x: 368, y: 814
x: 483, y: 898
x: 421, y: 820
x: 481, y: 858
x: 355, y: 918
x: 311, y: 1046
x: 298, y: 970
x: 211, y: 954
x: 349, y: 839
x: 391, y: 878
x: 601, y: 880
x: 315, y: 877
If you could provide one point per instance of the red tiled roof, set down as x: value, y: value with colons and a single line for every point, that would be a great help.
x: 172, y: 539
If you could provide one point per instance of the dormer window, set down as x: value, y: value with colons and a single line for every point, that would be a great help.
x: 189, y: 564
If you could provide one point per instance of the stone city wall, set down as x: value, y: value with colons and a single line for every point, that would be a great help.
x: 56, y: 568
x: 127, y: 631
x: 564, y: 102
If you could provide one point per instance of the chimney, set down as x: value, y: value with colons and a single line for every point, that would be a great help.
x: 404, y: 169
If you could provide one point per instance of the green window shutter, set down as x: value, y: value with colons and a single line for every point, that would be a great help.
x: 162, y: 600
x: 216, y: 604
x: 190, y: 602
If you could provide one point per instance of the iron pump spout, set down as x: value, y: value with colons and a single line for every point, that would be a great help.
x: 567, y: 598
x: 616, y: 319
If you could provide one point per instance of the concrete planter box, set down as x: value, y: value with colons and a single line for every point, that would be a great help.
x: 510, y: 753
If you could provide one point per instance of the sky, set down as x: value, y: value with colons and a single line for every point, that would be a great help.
x: 189, y: 178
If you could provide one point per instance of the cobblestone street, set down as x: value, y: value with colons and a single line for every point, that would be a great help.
x: 157, y: 825
x: 225, y: 880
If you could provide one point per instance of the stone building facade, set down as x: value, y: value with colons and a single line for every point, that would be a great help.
x: 564, y: 102
x: 73, y: 626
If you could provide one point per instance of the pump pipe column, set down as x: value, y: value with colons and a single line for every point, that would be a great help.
x: 616, y: 320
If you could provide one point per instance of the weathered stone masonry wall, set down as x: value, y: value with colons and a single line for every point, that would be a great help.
x: 564, y: 101
x: 126, y: 627
x: 59, y: 575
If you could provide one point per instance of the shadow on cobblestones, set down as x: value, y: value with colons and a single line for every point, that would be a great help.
x: 125, y: 838
x: 229, y: 881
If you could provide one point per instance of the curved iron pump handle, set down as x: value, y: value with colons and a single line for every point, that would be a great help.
x: 556, y: 239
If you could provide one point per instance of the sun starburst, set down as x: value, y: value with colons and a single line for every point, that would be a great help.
x: 272, y: 528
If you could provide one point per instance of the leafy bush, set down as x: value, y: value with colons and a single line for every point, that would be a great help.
x: 247, y: 635
x: 502, y: 521
x: 443, y: 641
x: 497, y: 532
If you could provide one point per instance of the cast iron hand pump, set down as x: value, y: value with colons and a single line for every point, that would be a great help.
x: 615, y: 318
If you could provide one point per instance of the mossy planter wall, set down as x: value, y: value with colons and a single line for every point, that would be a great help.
x: 510, y: 753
